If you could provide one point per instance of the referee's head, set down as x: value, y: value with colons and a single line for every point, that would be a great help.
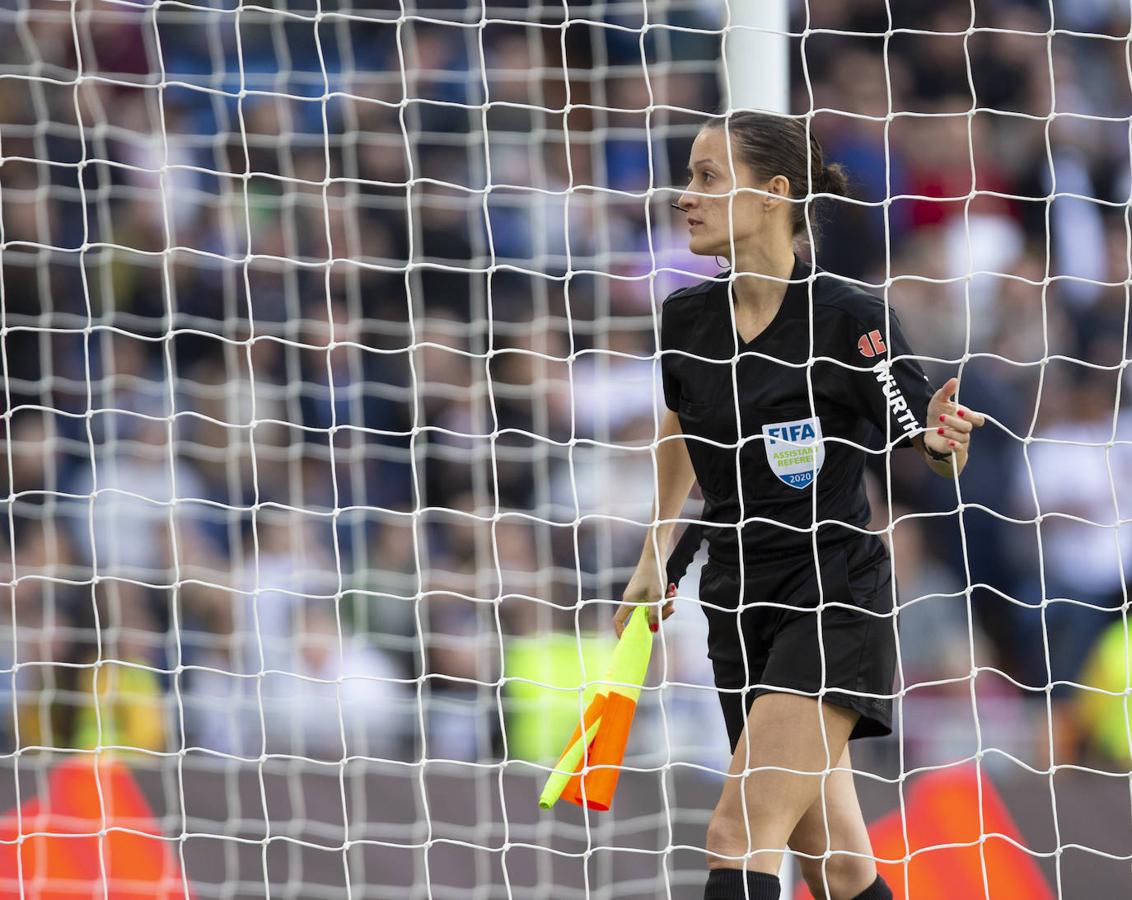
x: 752, y: 179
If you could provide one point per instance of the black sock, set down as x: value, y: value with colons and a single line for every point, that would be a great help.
x: 878, y: 890
x: 727, y: 884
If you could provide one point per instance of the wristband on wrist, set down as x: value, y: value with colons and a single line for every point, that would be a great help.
x: 936, y: 455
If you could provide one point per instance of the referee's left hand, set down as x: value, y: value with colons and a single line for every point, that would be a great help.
x: 949, y: 425
x: 637, y: 594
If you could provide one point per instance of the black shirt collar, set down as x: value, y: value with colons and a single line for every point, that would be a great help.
x: 795, y: 302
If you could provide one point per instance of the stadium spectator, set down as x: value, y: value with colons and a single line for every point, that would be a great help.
x: 1077, y: 483
x: 335, y: 695
x: 39, y: 640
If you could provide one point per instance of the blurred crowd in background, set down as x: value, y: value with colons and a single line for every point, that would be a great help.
x: 320, y: 400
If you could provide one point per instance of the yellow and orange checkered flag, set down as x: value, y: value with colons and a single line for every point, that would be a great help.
x: 587, y: 771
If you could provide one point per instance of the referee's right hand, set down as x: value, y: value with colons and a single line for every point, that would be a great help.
x: 643, y: 588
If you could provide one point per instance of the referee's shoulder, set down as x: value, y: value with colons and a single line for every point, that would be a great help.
x: 840, y: 298
x: 681, y: 310
x: 694, y: 294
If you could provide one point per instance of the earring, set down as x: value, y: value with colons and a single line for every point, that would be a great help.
x: 723, y: 265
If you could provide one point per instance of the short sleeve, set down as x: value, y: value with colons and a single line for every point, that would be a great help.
x: 668, y: 360
x: 887, y: 386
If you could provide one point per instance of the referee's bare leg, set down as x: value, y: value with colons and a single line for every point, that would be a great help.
x: 850, y: 868
x: 760, y: 811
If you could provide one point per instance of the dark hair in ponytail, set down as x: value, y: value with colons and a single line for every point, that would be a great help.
x: 779, y: 145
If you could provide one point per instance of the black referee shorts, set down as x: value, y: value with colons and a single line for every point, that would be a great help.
x: 780, y: 620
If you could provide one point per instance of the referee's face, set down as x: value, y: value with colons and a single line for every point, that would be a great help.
x: 710, y: 193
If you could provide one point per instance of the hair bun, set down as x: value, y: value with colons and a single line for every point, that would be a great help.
x: 834, y: 180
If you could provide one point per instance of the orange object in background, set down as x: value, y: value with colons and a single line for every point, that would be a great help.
x: 943, y: 808
x: 63, y: 856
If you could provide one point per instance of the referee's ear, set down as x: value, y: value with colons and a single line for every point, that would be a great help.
x: 779, y: 189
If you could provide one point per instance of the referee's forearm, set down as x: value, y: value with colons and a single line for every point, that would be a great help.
x: 674, y: 480
x: 941, y: 468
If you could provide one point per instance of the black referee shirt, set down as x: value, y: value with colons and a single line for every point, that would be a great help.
x: 809, y: 390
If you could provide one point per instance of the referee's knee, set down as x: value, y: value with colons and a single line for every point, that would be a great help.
x: 842, y: 875
x: 729, y: 837
x: 726, y: 839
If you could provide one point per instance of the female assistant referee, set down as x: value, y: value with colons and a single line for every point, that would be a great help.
x: 802, y: 642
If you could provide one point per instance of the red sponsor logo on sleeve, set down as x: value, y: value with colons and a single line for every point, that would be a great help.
x: 871, y: 344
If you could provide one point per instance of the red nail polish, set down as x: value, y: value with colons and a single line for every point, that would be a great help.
x: 939, y: 431
x: 943, y: 418
x: 959, y: 413
x: 653, y: 627
x: 951, y: 443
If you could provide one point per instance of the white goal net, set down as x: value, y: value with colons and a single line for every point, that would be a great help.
x: 331, y: 395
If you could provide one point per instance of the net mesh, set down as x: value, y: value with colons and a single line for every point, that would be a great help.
x: 329, y: 335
